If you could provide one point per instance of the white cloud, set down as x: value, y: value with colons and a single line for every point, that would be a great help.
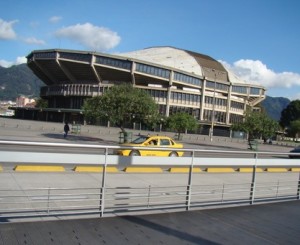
x: 6, y: 30
x: 18, y: 61
x: 254, y: 71
x: 21, y: 60
x: 33, y: 40
x: 55, y: 19
x: 93, y: 37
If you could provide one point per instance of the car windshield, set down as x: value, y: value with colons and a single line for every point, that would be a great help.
x: 139, y: 140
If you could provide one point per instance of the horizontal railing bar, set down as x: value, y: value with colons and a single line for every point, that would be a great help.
x: 72, y: 201
x: 93, y: 146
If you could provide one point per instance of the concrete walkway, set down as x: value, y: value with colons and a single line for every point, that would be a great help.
x: 277, y: 223
x: 27, y: 130
x: 258, y: 224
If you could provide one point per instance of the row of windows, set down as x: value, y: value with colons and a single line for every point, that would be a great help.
x: 234, y: 118
x: 51, y: 55
x: 219, y: 86
x: 237, y: 105
x: 188, y: 110
x: 79, y: 57
x: 216, y: 101
x: 188, y: 79
x: 123, y: 64
x: 99, y: 89
x: 185, y: 98
x: 157, y: 93
x: 159, y: 72
x: 219, y: 116
x: 243, y: 90
x: 255, y: 91
x: 239, y: 89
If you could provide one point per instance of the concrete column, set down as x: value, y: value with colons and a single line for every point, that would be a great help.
x: 228, y: 105
x: 169, y: 93
x: 202, y: 98
x: 132, y: 73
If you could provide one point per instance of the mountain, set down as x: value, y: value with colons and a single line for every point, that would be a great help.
x: 274, y: 106
x: 18, y: 80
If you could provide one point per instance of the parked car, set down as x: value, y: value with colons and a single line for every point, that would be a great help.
x: 295, y: 150
x: 156, y: 142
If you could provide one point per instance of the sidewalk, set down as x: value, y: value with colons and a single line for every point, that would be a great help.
x: 28, y: 130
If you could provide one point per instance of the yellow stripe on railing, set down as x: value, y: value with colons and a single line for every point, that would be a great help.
x: 249, y: 170
x: 184, y: 170
x: 276, y: 170
x: 143, y: 170
x: 220, y: 170
x: 38, y: 168
x: 95, y: 169
x: 295, y: 169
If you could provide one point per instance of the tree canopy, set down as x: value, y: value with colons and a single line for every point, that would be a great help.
x: 122, y: 104
x: 41, y: 103
x: 180, y: 122
x: 257, y: 124
x: 295, y: 129
x: 290, y: 113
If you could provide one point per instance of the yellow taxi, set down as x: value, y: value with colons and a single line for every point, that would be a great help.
x: 156, y: 142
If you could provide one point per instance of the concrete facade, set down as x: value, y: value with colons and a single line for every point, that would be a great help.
x: 178, y: 80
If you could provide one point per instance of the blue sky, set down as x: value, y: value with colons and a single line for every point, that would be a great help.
x: 257, y: 39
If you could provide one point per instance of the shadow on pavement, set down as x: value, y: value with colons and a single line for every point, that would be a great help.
x: 72, y: 137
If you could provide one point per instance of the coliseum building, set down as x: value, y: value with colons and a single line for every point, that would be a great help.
x: 178, y: 80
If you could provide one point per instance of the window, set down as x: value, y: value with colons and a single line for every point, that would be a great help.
x: 239, y: 89
x: 188, y: 79
x: 165, y: 142
x: 159, y: 72
x: 236, y: 105
x: 123, y: 64
x: 255, y: 91
x: 234, y: 118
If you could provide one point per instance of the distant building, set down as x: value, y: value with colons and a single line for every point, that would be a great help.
x: 178, y: 80
x: 23, y: 101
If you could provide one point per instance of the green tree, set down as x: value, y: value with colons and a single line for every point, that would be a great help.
x: 290, y: 113
x: 257, y: 124
x: 41, y: 103
x: 122, y: 104
x: 180, y: 122
x: 295, y: 128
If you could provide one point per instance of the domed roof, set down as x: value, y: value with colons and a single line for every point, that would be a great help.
x: 184, y: 60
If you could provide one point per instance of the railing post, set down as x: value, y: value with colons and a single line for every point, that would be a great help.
x: 48, y: 201
x: 102, y: 190
x: 277, y: 189
x: 189, y: 186
x: 253, y: 182
x: 298, y: 189
x: 149, y: 191
x: 223, y: 190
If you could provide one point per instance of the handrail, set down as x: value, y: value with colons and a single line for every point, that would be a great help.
x: 104, y: 199
x: 196, y: 156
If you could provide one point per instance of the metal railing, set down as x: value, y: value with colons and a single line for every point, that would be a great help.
x: 106, y: 200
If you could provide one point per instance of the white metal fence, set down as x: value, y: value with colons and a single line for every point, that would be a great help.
x: 105, y: 200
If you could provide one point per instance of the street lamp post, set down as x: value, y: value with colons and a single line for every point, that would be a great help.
x: 213, y: 109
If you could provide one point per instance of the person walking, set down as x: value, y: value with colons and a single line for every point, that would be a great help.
x: 66, y: 129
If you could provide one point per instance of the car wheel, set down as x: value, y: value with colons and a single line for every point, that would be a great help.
x: 173, y: 154
x: 134, y: 153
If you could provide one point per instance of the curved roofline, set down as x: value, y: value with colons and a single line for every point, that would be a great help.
x: 208, y: 67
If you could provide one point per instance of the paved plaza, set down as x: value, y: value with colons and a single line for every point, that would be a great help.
x: 28, y: 130
x: 258, y: 224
